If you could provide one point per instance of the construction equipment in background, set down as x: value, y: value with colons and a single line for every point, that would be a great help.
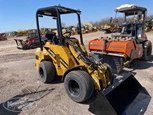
x: 3, y: 36
x: 101, y: 27
x: 22, y: 33
x: 90, y: 27
x: 72, y: 29
x: 111, y: 27
x: 123, y: 49
x: 84, y: 29
x: 149, y: 25
x: 45, y: 30
x: 30, y: 42
x: 83, y: 74
x: 13, y: 34
x: 87, y: 28
x: 32, y: 30
x: 68, y: 31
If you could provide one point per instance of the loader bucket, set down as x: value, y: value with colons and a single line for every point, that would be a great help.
x: 125, y: 96
x: 20, y: 44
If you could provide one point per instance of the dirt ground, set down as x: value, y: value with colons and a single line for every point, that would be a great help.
x: 19, y: 79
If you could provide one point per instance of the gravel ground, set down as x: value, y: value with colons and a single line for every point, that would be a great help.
x: 18, y: 78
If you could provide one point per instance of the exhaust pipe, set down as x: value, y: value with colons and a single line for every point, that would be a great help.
x: 125, y: 96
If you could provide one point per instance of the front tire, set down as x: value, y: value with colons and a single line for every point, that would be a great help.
x: 46, y: 71
x: 79, y: 85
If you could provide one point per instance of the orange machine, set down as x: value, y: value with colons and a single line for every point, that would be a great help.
x: 122, y: 49
x: 119, y: 53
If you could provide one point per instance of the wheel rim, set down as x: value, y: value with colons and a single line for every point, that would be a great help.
x: 74, y: 87
x: 41, y: 73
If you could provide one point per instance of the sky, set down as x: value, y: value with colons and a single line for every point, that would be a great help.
x: 20, y: 14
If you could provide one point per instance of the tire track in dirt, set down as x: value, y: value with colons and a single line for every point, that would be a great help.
x: 16, y: 57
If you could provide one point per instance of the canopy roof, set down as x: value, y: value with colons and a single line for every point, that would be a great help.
x: 130, y: 9
x: 51, y: 11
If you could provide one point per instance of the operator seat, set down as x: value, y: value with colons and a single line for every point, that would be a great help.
x: 51, y: 37
x: 127, y: 30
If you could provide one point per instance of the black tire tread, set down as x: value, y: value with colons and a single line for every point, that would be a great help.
x: 50, y: 71
x: 85, y: 79
x: 145, y: 46
x: 109, y: 69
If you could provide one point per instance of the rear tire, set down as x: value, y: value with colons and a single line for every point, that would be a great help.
x: 79, y: 85
x: 116, y: 63
x: 147, y: 47
x: 46, y: 71
x: 110, y: 73
x: 113, y: 62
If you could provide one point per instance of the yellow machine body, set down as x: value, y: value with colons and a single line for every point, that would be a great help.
x: 68, y: 57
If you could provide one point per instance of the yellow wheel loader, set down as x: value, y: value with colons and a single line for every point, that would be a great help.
x: 149, y: 25
x: 84, y: 29
x: 84, y: 74
x: 111, y: 27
